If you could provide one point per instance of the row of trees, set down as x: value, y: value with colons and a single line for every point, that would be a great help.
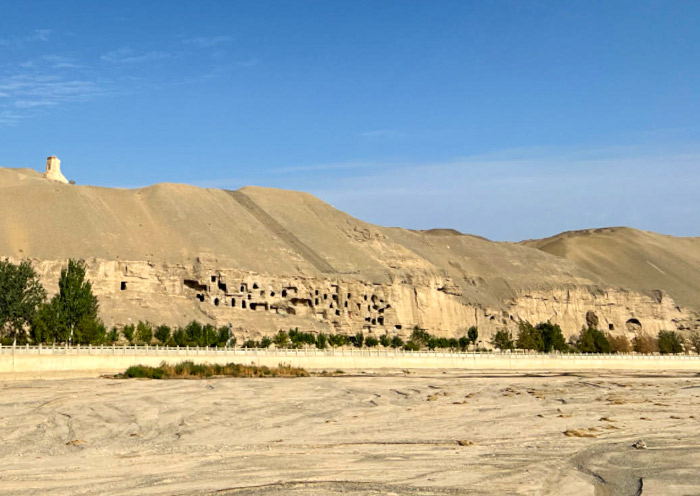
x: 546, y: 337
x: 196, y: 334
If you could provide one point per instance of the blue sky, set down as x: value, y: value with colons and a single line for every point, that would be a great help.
x: 510, y: 120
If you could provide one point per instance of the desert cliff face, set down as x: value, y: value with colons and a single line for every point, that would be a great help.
x: 261, y: 304
x: 265, y: 260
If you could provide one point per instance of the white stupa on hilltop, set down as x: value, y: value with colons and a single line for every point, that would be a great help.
x: 53, y: 170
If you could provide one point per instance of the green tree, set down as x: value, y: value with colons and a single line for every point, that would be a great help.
x: 336, y: 340
x: 21, y: 293
x: 552, y: 337
x: 179, y: 337
x: 420, y: 337
x: 644, y: 343
x: 209, y: 336
x: 411, y: 346
x: 225, y: 337
x: 503, y: 340
x: 162, y: 333
x: 670, y: 342
x: 385, y: 340
x: 321, y: 341
x: 265, y: 342
x: 128, y: 331
x: 44, y: 324
x: 194, y: 334
x: 371, y: 341
x: 619, y: 344
x: 74, y: 301
x: 144, y: 332
x: 281, y: 339
x: 473, y: 334
x: 529, y: 338
x: 694, y: 340
x: 89, y: 331
x: 396, y: 342
x: 358, y: 340
x: 591, y: 340
x: 113, y: 335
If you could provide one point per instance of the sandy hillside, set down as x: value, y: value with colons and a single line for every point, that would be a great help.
x: 286, y: 232
x: 635, y: 259
x: 442, y: 434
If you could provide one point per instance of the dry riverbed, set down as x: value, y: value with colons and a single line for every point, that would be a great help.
x: 393, y: 433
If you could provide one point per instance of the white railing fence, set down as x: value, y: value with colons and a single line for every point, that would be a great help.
x: 187, y: 351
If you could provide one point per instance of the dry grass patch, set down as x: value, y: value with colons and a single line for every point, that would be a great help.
x: 191, y: 370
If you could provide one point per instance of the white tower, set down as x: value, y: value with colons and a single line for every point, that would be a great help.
x: 53, y: 170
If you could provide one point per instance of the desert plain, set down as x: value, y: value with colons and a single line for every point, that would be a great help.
x: 365, y: 433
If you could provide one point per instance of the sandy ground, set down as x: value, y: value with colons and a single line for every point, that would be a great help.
x: 414, y: 434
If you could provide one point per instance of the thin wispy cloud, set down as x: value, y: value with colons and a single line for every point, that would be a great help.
x: 62, y: 62
x: 23, y: 94
x: 206, y: 41
x: 382, y: 133
x: 328, y: 167
x: 127, y: 55
x: 37, y: 35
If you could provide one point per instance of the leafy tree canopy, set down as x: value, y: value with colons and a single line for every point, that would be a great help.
x: 21, y: 293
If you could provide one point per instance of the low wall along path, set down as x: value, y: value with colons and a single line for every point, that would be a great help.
x: 26, y: 362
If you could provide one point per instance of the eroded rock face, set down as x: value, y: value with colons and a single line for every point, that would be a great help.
x: 261, y: 304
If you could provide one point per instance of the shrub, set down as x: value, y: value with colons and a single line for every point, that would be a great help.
x: 619, y: 344
x: 592, y: 340
x: 670, y: 342
x: 358, y: 340
x: 396, y: 342
x: 371, y: 341
x: 643, y: 343
x: 385, y: 340
x: 321, y: 341
x: 265, y: 342
x: 503, y: 340
x: 463, y: 343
